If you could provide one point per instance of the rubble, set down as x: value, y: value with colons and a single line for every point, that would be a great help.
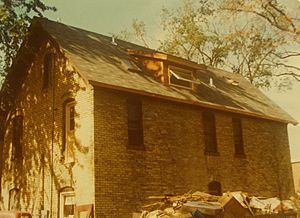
x: 230, y: 205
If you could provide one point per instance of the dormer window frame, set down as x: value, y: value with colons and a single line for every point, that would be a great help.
x: 176, y: 71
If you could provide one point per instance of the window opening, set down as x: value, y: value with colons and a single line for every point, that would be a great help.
x: 238, y: 136
x: 48, y: 70
x: 17, y: 135
x: 215, y: 188
x: 69, y: 131
x: 209, y: 129
x: 181, y: 77
x: 135, y: 122
x: 14, y: 199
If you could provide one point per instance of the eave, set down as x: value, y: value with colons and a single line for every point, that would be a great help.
x: 195, y: 103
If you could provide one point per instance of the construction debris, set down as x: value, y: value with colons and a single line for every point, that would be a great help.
x: 230, y: 205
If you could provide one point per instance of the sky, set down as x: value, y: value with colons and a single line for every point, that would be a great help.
x: 111, y: 16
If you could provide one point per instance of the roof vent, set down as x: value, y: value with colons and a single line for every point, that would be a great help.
x: 211, y: 83
x: 113, y: 41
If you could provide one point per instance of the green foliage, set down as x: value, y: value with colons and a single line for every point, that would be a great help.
x: 15, y: 17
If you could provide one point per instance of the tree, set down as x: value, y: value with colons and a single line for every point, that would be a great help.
x: 242, y: 44
x: 272, y: 12
x: 189, y: 36
x: 138, y: 33
x: 280, y: 22
x: 221, y: 33
x: 15, y: 17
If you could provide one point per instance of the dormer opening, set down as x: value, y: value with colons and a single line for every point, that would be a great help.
x: 180, y: 77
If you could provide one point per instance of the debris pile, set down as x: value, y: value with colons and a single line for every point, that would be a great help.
x: 203, y: 205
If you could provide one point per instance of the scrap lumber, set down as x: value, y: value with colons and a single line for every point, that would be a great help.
x: 203, y: 205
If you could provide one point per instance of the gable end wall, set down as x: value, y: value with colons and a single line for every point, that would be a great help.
x: 42, y: 122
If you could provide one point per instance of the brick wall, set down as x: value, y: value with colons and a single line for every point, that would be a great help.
x: 43, y: 165
x: 173, y: 159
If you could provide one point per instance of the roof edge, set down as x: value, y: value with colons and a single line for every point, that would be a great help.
x: 211, y: 106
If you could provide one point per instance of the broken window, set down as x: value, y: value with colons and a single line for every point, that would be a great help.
x: 209, y: 129
x: 48, y: 70
x: 69, y: 130
x: 135, y: 122
x: 180, y: 77
x: 215, y: 188
x: 67, y: 203
x: 238, y: 136
x: 17, y: 135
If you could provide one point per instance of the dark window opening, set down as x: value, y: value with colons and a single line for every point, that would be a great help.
x: 17, y: 134
x: 71, y: 117
x: 209, y: 129
x: 238, y: 136
x: 135, y: 122
x: 215, y: 188
x: 69, y: 112
x: 48, y: 70
x: 181, y: 78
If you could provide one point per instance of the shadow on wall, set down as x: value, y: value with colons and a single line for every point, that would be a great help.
x: 34, y: 154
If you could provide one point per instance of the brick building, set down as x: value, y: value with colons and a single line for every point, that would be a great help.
x: 97, y: 123
x: 296, y: 175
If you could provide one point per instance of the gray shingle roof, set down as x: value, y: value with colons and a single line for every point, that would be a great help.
x: 101, y: 62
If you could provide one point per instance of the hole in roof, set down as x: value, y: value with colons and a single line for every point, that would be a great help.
x: 130, y: 65
x: 231, y: 81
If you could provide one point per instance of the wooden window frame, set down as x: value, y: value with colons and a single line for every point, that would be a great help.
x: 135, y: 123
x: 238, y: 141
x: 209, y: 131
x: 178, y: 75
x: 65, y: 193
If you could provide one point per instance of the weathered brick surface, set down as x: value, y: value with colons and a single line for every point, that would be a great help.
x: 43, y: 120
x: 173, y: 159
